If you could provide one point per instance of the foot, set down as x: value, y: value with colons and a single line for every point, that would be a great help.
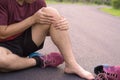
x: 53, y: 59
x: 79, y: 71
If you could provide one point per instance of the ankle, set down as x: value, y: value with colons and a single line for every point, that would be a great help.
x: 73, y: 67
x: 39, y: 61
x: 70, y: 64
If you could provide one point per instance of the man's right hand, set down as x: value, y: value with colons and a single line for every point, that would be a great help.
x: 42, y: 17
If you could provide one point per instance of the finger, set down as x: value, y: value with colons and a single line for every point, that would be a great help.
x: 46, y: 15
x: 61, y: 24
x: 62, y: 17
x: 50, y: 19
x: 61, y: 20
x: 65, y: 28
x: 46, y: 20
x: 42, y: 8
x: 62, y: 27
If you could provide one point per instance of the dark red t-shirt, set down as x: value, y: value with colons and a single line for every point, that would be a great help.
x: 11, y: 12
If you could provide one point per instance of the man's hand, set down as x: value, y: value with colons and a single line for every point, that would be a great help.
x: 61, y: 24
x: 43, y: 17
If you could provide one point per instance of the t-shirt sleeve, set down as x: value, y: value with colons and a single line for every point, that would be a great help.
x: 3, y: 14
x: 41, y: 3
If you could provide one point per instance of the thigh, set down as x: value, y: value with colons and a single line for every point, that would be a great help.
x: 39, y: 32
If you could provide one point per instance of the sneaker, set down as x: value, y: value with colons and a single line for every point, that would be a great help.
x: 53, y: 59
x: 110, y: 72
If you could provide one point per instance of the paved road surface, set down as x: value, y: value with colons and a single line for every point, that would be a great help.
x: 95, y: 40
x: 95, y: 35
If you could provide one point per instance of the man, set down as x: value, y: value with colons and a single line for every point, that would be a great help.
x: 24, y: 24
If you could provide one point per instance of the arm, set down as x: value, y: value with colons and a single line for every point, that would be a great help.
x: 10, y: 30
x: 16, y: 28
x: 40, y: 17
x: 13, y: 29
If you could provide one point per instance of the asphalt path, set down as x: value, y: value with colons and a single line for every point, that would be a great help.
x: 95, y: 40
x: 95, y: 35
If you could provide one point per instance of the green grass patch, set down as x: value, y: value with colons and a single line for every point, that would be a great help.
x: 51, y: 2
x: 64, y: 2
x: 112, y: 11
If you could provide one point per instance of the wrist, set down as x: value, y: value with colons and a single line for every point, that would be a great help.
x: 33, y: 21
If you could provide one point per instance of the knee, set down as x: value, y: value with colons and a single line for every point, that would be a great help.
x: 4, y: 59
x: 4, y: 62
x: 52, y: 11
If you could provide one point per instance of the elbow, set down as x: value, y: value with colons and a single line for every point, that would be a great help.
x: 2, y: 36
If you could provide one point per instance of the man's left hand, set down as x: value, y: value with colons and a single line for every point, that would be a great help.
x: 61, y: 24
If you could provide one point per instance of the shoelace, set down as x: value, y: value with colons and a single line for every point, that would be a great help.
x: 112, y: 75
x: 106, y: 76
x: 101, y: 76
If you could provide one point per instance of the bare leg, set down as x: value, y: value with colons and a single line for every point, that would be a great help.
x: 64, y: 45
x: 62, y: 41
x: 11, y: 62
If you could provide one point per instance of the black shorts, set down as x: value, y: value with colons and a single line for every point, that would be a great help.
x: 22, y: 45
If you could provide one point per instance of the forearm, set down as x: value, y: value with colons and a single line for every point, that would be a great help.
x: 13, y: 29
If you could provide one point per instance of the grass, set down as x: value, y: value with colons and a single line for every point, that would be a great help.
x: 56, y: 2
x: 51, y: 2
x: 112, y: 11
